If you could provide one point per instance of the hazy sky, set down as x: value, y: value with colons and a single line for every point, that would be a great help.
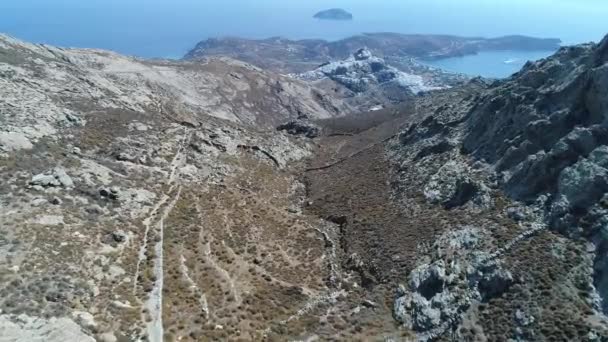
x: 169, y: 27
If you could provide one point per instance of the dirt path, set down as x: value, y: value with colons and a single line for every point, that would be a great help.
x: 154, y: 303
x: 144, y: 246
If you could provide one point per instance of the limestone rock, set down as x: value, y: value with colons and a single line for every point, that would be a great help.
x: 107, y: 337
x: 10, y: 141
x: 541, y: 141
x: 451, y: 187
x: 35, y: 329
x: 363, y: 54
x: 440, y: 294
x: 362, y: 71
x: 57, y: 177
x: 85, y: 319
x: 119, y: 236
x: 45, y: 180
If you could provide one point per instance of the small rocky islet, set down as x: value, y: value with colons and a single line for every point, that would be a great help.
x: 334, y: 14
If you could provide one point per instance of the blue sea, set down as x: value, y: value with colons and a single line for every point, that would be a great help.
x: 494, y: 64
x: 168, y: 29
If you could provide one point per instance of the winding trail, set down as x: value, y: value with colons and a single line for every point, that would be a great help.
x: 326, y: 298
x: 223, y: 272
x: 154, y: 303
x: 535, y: 228
x: 142, y: 251
x: 202, y: 298
x: 334, y: 291
x: 350, y: 156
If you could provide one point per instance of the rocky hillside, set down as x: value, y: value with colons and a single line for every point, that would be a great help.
x: 521, y: 168
x: 156, y: 201
x: 545, y: 133
x: 290, y: 56
x: 480, y: 212
x: 151, y: 200
x: 45, y: 87
x: 368, y: 82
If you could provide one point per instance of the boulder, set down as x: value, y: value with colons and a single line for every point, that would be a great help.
x: 111, y: 194
x: 45, y: 180
x: 494, y: 281
x: 55, y: 178
x: 13, y: 141
x: 63, y: 177
x: 119, y: 236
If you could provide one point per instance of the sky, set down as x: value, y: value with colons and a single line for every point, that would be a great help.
x: 167, y: 28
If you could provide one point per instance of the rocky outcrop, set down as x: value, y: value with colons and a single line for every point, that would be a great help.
x: 545, y: 131
x: 542, y: 120
x: 56, y: 177
x: 362, y: 71
x: 452, y: 187
x: 26, y: 328
x: 301, y: 127
x: 536, y: 142
x: 367, y: 81
x: 438, y: 293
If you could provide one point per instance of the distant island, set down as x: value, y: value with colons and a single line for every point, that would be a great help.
x: 296, y: 56
x: 334, y: 14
